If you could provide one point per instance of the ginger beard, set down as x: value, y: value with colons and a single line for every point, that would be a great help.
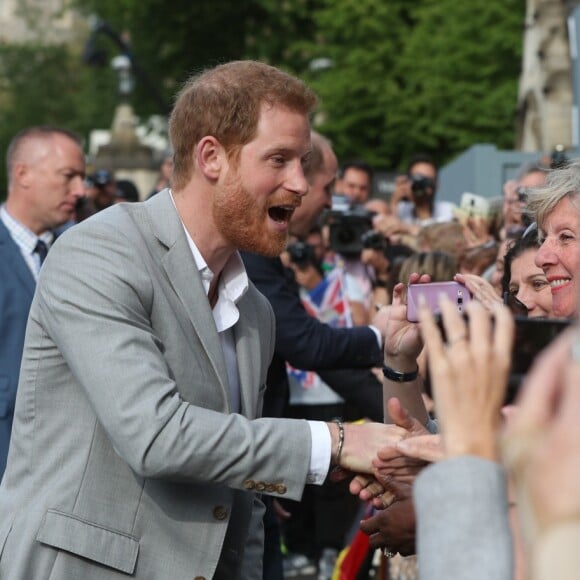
x: 243, y: 221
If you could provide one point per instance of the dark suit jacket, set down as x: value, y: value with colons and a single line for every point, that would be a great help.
x: 16, y: 290
x: 306, y: 343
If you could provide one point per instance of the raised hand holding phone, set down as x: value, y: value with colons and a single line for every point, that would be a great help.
x: 403, y: 344
x: 430, y: 294
x: 469, y: 374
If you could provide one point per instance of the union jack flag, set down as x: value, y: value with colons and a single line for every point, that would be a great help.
x: 329, y: 304
x: 328, y: 301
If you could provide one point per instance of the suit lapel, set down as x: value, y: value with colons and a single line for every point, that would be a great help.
x: 184, y: 277
x: 11, y: 254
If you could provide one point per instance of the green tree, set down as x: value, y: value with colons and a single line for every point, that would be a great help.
x: 49, y: 85
x: 432, y: 75
x: 361, y: 40
x: 462, y: 61
x: 170, y: 41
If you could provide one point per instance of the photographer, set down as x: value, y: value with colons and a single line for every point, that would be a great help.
x: 346, y: 223
x: 414, y: 203
x: 310, y: 275
x: 301, y: 258
x: 355, y: 181
x: 422, y: 208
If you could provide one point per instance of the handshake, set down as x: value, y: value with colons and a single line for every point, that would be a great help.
x: 356, y: 447
x: 382, y: 474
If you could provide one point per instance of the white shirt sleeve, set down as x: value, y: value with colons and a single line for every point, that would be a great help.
x: 377, y: 334
x: 319, y: 453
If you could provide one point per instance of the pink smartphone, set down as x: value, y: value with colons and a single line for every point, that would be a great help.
x: 456, y: 292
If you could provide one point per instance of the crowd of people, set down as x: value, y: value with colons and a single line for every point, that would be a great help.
x: 222, y: 381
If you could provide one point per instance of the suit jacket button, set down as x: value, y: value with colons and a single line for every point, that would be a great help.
x: 270, y: 487
x: 260, y: 486
x: 249, y: 484
x: 220, y: 512
x: 281, y: 489
x: 199, y: 578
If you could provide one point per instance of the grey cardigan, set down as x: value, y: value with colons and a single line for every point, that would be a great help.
x: 462, y: 521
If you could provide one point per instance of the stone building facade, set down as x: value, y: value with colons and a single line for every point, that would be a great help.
x: 48, y: 21
x: 545, y: 91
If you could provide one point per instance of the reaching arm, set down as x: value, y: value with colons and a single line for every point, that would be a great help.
x: 403, y: 345
x: 302, y: 340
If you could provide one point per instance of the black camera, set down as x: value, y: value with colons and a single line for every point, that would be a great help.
x: 347, y: 225
x: 302, y: 254
x: 373, y: 240
x: 421, y: 186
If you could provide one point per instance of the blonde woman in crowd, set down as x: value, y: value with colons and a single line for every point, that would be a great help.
x: 556, y: 207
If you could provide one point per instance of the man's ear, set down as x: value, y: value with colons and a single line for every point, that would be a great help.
x: 209, y: 157
x: 20, y: 174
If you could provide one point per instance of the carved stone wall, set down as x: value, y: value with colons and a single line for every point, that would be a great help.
x: 545, y: 91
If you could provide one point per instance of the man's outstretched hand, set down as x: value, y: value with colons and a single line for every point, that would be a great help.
x: 389, y: 462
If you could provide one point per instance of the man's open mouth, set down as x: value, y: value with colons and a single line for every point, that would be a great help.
x: 281, y: 213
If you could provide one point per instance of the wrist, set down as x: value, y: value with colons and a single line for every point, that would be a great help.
x: 401, y: 364
x: 334, y: 429
x: 484, y: 446
x: 397, y: 376
x: 337, y: 455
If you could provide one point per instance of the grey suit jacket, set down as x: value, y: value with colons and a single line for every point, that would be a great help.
x: 463, y: 529
x: 125, y: 460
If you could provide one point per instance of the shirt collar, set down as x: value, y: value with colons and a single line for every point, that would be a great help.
x: 234, y: 279
x: 233, y: 283
x: 22, y: 235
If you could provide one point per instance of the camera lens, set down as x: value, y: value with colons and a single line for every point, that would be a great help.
x: 374, y: 241
x: 421, y: 185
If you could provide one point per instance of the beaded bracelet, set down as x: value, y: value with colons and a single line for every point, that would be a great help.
x: 340, y: 425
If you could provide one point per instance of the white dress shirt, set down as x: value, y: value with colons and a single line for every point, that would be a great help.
x: 232, y: 285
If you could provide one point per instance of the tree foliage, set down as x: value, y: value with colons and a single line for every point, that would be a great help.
x: 429, y: 75
x: 47, y: 85
x: 362, y: 40
x: 171, y: 41
x: 464, y: 61
x: 432, y: 75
